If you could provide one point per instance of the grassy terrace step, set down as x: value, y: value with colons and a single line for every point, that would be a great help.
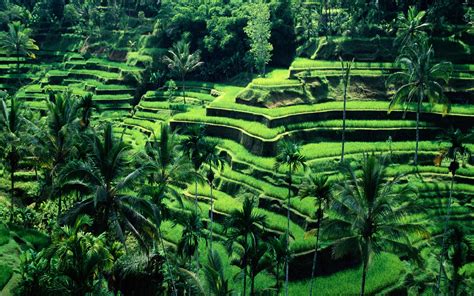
x: 113, y: 99
x: 261, y: 140
x: 159, y: 115
x: 317, y: 151
x: 103, y: 65
x: 301, y: 64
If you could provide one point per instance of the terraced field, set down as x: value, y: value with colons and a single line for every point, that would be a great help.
x: 302, y: 103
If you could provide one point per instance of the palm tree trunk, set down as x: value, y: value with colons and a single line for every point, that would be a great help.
x: 364, y: 272
x: 344, y: 122
x: 287, y: 260
x: 184, y: 89
x: 418, y: 110
x: 12, y: 192
x: 445, y: 231
x: 245, y: 267
x: 18, y: 62
x: 252, y: 283
x: 173, y: 285
x: 212, y: 220
x: 315, y: 257
x: 196, y: 196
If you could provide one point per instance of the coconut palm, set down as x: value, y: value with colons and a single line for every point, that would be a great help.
x: 56, y: 141
x: 419, y: 79
x: 193, y: 146
x: 181, y: 61
x: 214, y: 273
x: 12, y: 127
x: 86, y: 106
x: 319, y: 188
x: 193, y: 230
x: 167, y: 170
x: 79, y: 257
x: 212, y: 158
x: 106, y: 176
x: 259, y: 259
x: 346, y: 75
x: 289, y: 156
x: 370, y: 214
x: 411, y: 27
x: 457, y: 147
x: 17, y: 41
x: 278, y: 253
x: 244, y: 225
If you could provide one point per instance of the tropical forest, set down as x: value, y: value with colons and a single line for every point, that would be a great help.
x: 236, y: 147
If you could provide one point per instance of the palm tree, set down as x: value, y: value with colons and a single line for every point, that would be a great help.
x: 17, y: 41
x: 12, y: 127
x: 243, y: 225
x: 411, y: 27
x: 193, y: 230
x: 212, y: 158
x: 346, y: 75
x: 193, y: 146
x: 370, y: 213
x: 289, y: 156
x: 259, y: 259
x: 167, y: 170
x: 86, y: 105
x: 214, y: 273
x: 319, y: 188
x: 107, y: 176
x: 278, y: 253
x: 419, y: 79
x: 458, y: 147
x: 181, y: 61
x: 55, y: 142
x: 79, y: 256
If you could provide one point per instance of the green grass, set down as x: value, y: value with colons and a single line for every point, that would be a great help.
x: 6, y: 273
x: 4, y: 234
x: 36, y: 239
x: 384, y: 271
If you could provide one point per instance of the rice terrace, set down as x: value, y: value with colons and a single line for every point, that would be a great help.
x: 236, y: 147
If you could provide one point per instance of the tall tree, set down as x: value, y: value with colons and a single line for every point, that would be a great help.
x: 278, y: 253
x: 56, y: 141
x: 419, y: 79
x: 411, y: 27
x: 213, y: 159
x: 214, y: 273
x: 319, y: 188
x: 193, y: 146
x: 371, y: 213
x: 86, y: 106
x: 193, y: 230
x: 457, y: 148
x: 181, y: 62
x: 12, y: 127
x: 244, y: 225
x: 289, y: 156
x: 17, y: 41
x: 346, y: 76
x: 258, y: 30
x: 106, y: 176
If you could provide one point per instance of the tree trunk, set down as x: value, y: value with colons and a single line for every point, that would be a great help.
x: 252, y: 284
x: 245, y: 268
x: 12, y: 192
x: 364, y: 272
x: 344, y: 121
x: 196, y: 195
x: 212, y: 220
x: 18, y: 63
x: 287, y: 259
x: 445, y: 231
x: 315, y: 257
x: 173, y: 285
x: 418, y: 110
x: 184, y: 89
